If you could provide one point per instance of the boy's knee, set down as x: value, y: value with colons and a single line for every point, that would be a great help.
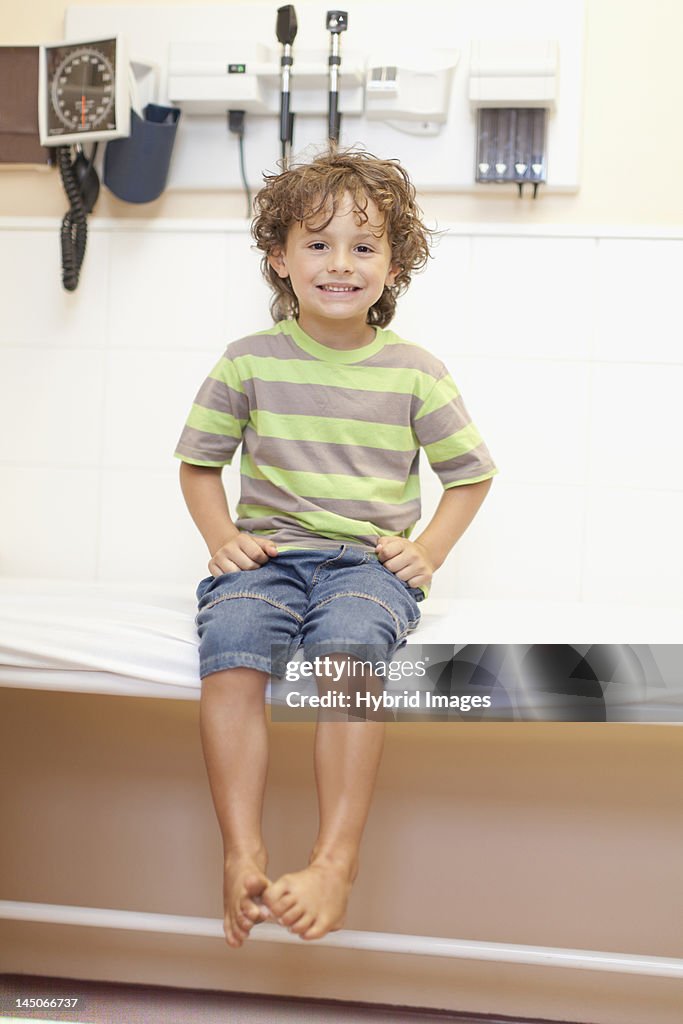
x: 239, y: 680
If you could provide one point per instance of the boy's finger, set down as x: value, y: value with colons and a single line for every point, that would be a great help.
x: 406, y: 573
x: 264, y: 544
x: 418, y: 581
x: 387, y: 547
x: 253, y: 550
x: 222, y: 565
x: 243, y: 560
x: 400, y: 561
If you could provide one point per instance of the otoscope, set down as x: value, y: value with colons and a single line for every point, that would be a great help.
x: 337, y: 22
x: 285, y: 29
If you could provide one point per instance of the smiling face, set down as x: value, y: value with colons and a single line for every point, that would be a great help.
x: 337, y: 272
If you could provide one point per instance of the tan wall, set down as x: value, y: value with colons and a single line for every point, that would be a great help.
x: 548, y: 834
x: 632, y: 150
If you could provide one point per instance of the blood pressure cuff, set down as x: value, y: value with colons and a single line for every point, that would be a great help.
x: 19, y: 138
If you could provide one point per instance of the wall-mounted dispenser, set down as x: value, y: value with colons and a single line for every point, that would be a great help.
x: 512, y: 88
x: 511, y: 145
x: 411, y: 94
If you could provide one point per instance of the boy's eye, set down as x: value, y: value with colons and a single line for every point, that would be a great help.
x: 364, y: 248
x: 317, y: 246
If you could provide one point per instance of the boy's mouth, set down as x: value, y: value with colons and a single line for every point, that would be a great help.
x: 338, y: 288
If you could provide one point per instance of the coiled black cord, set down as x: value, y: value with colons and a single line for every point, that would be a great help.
x: 74, y: 233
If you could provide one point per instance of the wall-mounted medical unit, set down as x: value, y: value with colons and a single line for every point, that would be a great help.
x: 512, y: 88
x: 468, y: 94
x: 411, y: 93
x: 210, y: 77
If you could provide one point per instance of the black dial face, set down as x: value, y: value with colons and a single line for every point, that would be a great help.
x: 82, y: 88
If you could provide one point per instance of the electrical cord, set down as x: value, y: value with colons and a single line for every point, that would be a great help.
x: 244, y: 175
x: 236, y: 126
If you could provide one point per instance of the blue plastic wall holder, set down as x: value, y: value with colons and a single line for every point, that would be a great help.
x: 136, y: 168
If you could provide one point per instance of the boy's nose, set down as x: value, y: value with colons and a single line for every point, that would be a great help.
x: 339, y: 261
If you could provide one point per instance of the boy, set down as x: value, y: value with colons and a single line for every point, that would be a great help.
x: 331, y: 410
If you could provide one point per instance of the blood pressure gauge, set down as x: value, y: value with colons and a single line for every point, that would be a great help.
x: 83, y: 90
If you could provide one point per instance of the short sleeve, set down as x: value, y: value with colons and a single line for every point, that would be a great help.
x: 451, y: 441
x: 217, y: 419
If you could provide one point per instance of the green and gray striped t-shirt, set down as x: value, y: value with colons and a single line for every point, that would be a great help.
x: 331, y: 438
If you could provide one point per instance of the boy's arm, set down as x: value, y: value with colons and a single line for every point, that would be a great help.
x: 416, y: 561
x: 230, y: 550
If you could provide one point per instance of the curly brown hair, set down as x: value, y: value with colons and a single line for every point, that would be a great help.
x: 306, y: 190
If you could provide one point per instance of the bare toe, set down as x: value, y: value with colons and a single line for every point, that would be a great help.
x: 279, y: 902
x: 231, y: 937
x: 303, y: 924
x: 312, y: 902
x: 244, y: 884
x: 291, y: 916
x: 316, y: 931
x: 250, y: 911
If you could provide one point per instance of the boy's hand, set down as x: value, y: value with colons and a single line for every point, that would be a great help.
x: 407, y: 559
x: 241, y: 553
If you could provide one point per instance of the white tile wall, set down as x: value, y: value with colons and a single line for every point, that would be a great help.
x: 567, y: 351
x: 36, y: 310
x: 634, y: 552
x: 148, y: 397
x: 434, y: 311
x: 246, y: 292
x: 49, y: 522
x: 532, y: 413
x: 525, y: 543
x: 637, y: 426
x: 146, y: 533
x: 168, y: 290
x: 52, y: 406
x: 638, y: 316
x: 532, y: 297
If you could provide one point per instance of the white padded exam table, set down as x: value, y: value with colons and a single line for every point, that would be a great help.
x: 137, y: 640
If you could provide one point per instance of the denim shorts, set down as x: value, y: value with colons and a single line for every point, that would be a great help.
x: 335, y: 601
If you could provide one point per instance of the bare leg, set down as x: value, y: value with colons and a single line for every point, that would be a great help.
x: 312, y: 902
x: 235, y: 741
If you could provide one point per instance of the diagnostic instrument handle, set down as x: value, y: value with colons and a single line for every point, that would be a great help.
x: 286, y: 25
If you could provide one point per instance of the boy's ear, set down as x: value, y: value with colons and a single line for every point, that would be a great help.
x: 392, y: 274
x: 278, y: 262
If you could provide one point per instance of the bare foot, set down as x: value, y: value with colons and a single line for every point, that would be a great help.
x: 244, y: 883
x: 311, y: 902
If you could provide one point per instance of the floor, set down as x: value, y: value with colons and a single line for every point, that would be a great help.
x: 105, y: 1003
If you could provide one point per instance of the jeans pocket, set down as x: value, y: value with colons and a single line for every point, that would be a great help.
x: 203, y: 586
